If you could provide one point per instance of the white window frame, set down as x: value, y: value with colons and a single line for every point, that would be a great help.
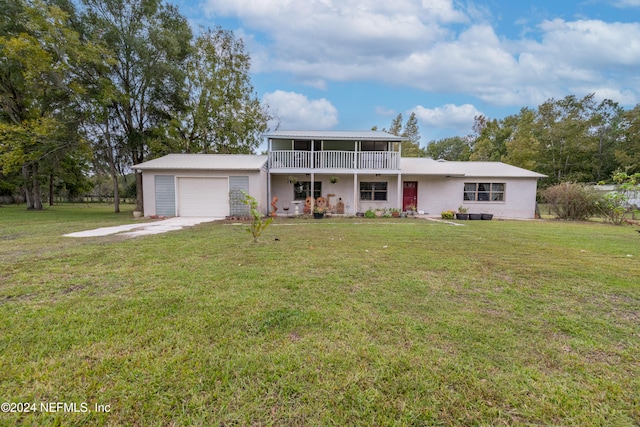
x: 485, y: 192
x: 373, y: 191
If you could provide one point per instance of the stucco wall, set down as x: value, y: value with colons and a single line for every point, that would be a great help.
x: 257, y: 184
x: 437, y: 194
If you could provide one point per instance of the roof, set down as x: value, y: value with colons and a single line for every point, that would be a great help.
x: 408, y: 165
x: 336, y: 135
x: 205, y: 162
x: 426, y: 166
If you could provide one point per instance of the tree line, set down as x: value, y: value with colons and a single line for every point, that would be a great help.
x: 570, y: 139
x: 95, y: 88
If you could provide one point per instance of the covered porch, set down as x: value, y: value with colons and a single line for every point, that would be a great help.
x: 344, y: 193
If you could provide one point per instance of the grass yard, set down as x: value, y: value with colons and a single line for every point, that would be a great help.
x: 338, y: 322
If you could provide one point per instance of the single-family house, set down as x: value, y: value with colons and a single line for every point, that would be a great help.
x: 352, y: 171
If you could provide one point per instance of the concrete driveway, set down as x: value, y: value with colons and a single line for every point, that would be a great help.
x: 144, y: 229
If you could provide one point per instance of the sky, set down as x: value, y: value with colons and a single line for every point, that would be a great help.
x: 355, y: 64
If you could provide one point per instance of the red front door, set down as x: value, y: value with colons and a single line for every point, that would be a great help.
x: 409, y: 194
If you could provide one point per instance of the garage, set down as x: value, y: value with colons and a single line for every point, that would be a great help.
x: 203, y: 196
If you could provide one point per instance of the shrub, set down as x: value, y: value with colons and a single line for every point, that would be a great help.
x: 369, y: 214
x: 570, y: 200
x: 447, y: 214
x: 614, y: 206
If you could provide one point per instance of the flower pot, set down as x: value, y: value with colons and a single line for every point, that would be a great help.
x: 395, y: 214
x: 462, y: 216
x: 137, y: 214
x: 486, y: 217
x: 475, y: 216
x: 318, y: 215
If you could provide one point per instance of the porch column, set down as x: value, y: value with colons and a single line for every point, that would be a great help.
x: 355, y: 193
x: 313, y: 192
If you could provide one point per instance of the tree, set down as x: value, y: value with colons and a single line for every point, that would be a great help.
x: 490, y: 139
x: 150, y: 43
x: 523, y: 147
x: 562, y: 128
x: 224, y: 115
x: 628, y: 152
x: 411, y: 148
x: 257, y: 224
x: 452, y: 149
x: 606, y: 128
x: 44, y: 64
x: 396, y: 126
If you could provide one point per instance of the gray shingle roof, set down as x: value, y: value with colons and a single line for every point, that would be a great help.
x: 335, y: 135
x: 205, y: 162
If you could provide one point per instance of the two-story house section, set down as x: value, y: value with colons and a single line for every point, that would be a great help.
x: 352, y: 170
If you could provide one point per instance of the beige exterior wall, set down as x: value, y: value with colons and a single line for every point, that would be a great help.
x: 437, y: 194
x: 257, y: 184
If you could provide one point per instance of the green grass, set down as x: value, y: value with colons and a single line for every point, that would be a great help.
x: 338, y: 322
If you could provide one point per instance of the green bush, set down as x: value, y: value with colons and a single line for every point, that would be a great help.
x: 447, y: 214
x: 369, y: 214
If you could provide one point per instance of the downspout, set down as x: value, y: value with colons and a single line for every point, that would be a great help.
x: 356, y: 161
x: 400, y: 195
x: 268, y: 173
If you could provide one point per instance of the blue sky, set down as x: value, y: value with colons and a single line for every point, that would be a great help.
x: 353, y: 64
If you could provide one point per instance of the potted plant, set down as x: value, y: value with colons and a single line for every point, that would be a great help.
x: 292, y: 179
x: 334, y: 179
x: 462, y: 213
x: 411, y: 209
x: 395, y: 212
x: 475, y: 216
x: 486, y: 217
x: 318, y: 213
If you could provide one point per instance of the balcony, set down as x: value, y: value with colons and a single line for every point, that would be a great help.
x: 334, y: 160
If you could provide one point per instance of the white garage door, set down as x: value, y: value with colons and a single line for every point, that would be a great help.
x: 203, y: 197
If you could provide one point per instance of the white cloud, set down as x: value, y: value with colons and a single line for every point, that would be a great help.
x: 296, y: 111
x: 455, y: 117
x: 436, y: 46
x: 627, y: 3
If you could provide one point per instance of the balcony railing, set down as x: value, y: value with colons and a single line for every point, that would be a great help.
x: 288, y: 159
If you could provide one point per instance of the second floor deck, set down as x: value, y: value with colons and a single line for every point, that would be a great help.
x: 291, y: 160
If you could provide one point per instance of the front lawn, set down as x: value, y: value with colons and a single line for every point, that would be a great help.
x: 324, y: 322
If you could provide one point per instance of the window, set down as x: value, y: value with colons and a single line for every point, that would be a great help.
x: 484, y: 192
x: 302, y: 190
x: 373, y: 191
x: 374, y: 146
